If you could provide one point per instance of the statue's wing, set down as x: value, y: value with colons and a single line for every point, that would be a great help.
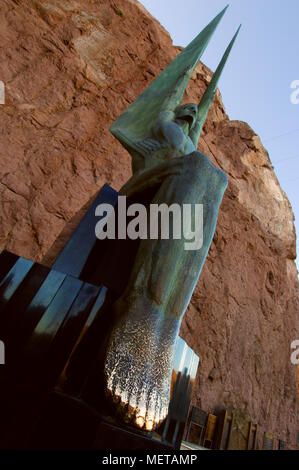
x: 165, y: 93
x: 209, y: 95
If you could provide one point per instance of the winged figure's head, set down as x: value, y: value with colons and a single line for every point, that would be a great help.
x: 187, y: 112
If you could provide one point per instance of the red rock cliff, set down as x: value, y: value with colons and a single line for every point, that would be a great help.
x: 70, y: 68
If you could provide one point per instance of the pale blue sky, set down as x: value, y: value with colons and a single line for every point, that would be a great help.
x: 256, y: 84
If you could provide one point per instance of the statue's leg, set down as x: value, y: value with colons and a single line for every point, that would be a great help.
x: 139, y: 356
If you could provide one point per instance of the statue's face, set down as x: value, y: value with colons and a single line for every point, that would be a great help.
x: 187, y: 112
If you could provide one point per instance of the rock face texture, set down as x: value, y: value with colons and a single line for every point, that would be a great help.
x: 70, y: 68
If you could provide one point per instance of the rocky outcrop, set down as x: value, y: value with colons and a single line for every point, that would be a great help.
x: 70, y: 68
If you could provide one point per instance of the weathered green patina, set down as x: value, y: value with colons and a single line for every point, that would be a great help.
x: 162, y: 137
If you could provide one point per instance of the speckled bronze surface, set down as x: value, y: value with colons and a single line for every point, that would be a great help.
x: 139, y: 364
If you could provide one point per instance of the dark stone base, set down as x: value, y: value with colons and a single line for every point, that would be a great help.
x: 70, y: 424
x: 55, y: 324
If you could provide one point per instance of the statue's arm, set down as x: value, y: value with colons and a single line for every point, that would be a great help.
x: 174, y: 98
x: 195, y: 133
x: 146, y: 179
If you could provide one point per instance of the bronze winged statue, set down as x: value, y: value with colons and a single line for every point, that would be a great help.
x: 162, y: 135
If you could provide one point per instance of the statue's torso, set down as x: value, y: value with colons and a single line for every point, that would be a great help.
x: 170, y: 140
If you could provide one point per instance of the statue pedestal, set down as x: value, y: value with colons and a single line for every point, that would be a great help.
x: 68, y: 423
